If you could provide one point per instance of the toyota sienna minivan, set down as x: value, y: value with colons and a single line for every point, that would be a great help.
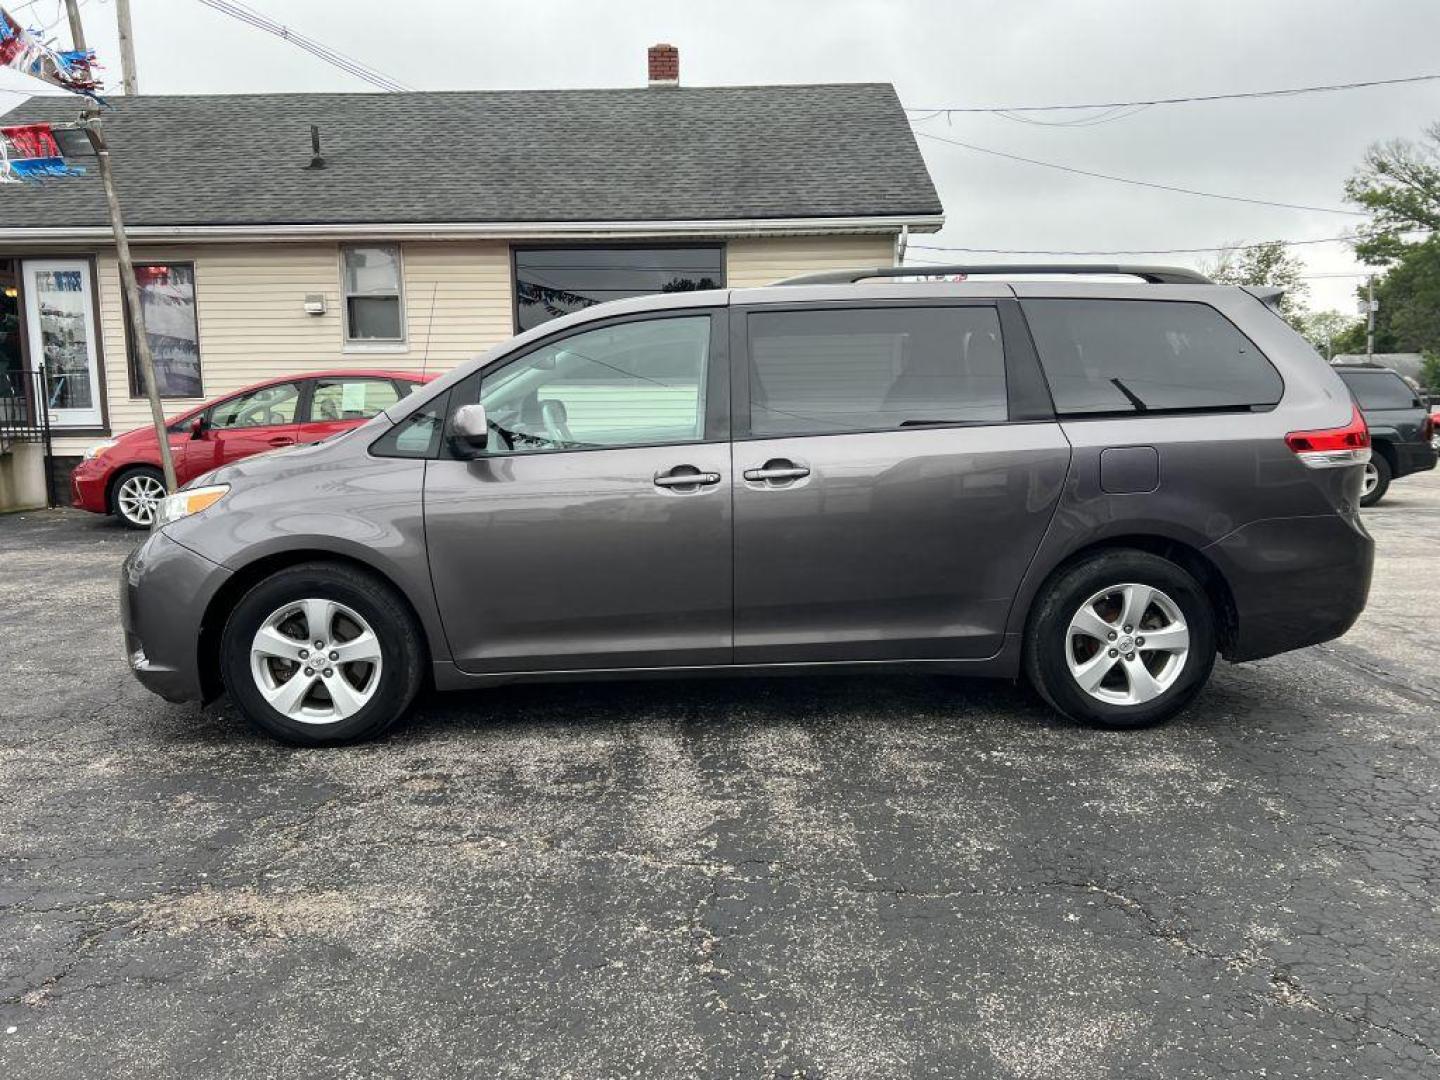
x: 1097, y: 484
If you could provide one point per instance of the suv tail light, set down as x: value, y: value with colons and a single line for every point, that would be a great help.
x: 1333, y: 448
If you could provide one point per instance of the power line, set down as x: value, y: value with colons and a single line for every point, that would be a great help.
x: 315, y: 48
x: 1128, y: 180
x: 1242, y: 95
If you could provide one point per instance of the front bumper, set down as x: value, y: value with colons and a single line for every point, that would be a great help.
x: 165, y: 589
x: 87, y: 489
x: 1295, y: 581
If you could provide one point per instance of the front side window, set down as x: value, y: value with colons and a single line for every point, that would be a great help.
x: 1380, y: 390
x: 265, y: 407
x: 373, y: 304
x: 351, y: 399
x: 874, y: 369
x: 550, y: 282
x: 167, y: 304
x: 631, y: 384
x: 1120, y: 356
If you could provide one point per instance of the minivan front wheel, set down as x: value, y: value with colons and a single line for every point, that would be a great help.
x: 320, y: 654
x: 1124, y: 639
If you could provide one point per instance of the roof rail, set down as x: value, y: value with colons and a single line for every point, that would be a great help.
x: 1153, y: 275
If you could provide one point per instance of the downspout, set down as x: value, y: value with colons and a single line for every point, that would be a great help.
x: 901, y: 239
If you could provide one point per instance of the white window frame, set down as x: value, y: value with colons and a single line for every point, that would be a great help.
x: 373, y: 345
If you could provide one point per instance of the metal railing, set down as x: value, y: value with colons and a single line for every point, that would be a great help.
x: 25, y: 417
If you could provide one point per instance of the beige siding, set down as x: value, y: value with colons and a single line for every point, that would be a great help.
x: 763, y: 261
x: 250, y: 299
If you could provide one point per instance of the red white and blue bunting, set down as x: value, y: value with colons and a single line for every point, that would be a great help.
x: 22, y: 50
x: 30, y: 152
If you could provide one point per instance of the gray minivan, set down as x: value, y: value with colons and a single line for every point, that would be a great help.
x: 1098, y: 484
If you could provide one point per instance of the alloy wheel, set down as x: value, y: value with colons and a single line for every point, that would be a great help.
x: 1127, y: 644
x: 316, y: 661
x: 1372, y: 479
x: 138, y: 498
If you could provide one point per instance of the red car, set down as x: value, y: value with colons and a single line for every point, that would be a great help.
x: 122, y: 476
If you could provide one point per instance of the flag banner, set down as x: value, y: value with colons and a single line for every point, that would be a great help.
x: 71, y: 70
x: 30, y: 152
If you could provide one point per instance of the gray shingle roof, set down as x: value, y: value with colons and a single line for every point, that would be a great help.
x: 490, y: 156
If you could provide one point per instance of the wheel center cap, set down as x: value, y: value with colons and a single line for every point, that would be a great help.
x: 1126, y: 644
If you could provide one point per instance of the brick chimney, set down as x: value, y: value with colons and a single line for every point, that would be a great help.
x: 664, y: 65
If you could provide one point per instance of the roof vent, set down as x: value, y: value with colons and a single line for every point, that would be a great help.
x: 316, y: 161
x: 664, y: 65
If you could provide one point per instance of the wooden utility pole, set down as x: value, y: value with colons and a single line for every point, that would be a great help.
x: 139, y: 338
x: 128, y: 82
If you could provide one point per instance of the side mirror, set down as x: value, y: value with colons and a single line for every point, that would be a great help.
x: 197, y: 427
x: 470, y: 430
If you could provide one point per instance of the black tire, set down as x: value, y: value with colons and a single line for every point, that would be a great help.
x: 1048, y: 638
x: 402, y: 653
x: 137, y: 472
x: 1383, y: 475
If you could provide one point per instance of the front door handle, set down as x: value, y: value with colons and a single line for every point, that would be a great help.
x: 282, y: 440
x: 685, y: 476
x: 777, y: 469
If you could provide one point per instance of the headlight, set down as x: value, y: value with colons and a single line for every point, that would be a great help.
x: 99, y: 448
x: 190, y: 501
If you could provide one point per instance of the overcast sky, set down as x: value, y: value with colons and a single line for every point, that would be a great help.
x: 957, y: 53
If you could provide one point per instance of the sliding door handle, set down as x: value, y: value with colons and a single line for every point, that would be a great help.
x: 683, y: 476
x: 778, y: 469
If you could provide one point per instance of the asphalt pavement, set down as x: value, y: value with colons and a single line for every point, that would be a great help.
x: 828, y: 878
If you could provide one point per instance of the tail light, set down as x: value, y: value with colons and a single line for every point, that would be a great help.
x: 1427, y: 429
x: 1333, y: 448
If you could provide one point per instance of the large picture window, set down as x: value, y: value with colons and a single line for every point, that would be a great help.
x: 550, y: 282
x: 167, y: 304
x: 374, y: 312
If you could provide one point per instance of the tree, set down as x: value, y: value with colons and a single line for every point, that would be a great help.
x: 1328, y: 330
x: 1399, y: 183
x: 1266, y: 264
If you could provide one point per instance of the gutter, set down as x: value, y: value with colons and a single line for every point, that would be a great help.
x: 503, y: 230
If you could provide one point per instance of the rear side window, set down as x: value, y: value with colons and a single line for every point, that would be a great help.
x: 1118, y: 356
x: 1379, y: 389
x: 351, y: 399
x: 873, y: 369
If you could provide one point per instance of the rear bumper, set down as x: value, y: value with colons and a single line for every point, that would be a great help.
x: 1413, y: 457
x: 1295, y: 581
x: 164, y: 591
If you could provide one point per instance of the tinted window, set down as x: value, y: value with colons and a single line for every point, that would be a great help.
x: 259, y: 408
x: 550, y: 282
x: 351, y: 399
x: 631, y: 384
x: 1379, y: 389
x: 1108, y: 356
x: 813, y: 372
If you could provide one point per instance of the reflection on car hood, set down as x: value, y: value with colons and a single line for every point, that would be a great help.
x: 274, y: 463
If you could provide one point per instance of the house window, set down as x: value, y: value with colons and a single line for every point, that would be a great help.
x: 374, y: 312
x: 550, y: 282
x: 167, y: 305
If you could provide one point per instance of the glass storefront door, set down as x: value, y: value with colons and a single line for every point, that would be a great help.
x: 59, y: 315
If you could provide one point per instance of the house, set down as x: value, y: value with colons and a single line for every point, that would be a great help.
x: 286, y: 232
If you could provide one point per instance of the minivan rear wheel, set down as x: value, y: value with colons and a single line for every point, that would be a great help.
x: 1124, y: 639
x: 321, y: 654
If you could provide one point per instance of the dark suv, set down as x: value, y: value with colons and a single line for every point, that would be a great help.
x: 1400, y: 427
x: 1097, y: 485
